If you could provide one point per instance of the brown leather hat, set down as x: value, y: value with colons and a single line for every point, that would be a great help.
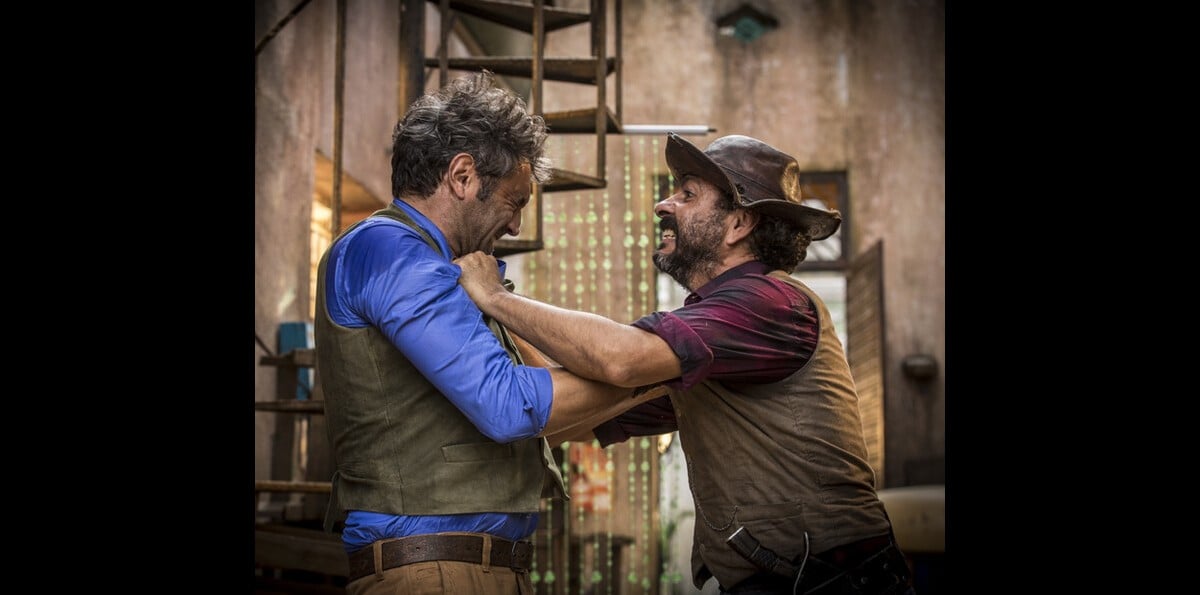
x: 756, y: 174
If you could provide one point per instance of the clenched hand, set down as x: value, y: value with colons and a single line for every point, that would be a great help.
x: 480, y: 276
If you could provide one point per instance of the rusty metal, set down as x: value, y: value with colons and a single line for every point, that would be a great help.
x: 537, y: 71
x: 443, y: 45
x: 308, y: 487
x: 412, y: 52
x: 279, y: 26
x: 617, y: 46
x: 291, y: 406
x: 599, y: 19
x: 339, y: 93
x: 258, y: 339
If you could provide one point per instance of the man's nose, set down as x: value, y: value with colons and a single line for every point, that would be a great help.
x: 666, y: 205
x: 514, y: 225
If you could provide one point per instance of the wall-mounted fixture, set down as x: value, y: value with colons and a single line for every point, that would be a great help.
x: 919, y: 366
x: 746, y: 23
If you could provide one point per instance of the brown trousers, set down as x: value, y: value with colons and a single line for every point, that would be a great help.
x: 443, y: 578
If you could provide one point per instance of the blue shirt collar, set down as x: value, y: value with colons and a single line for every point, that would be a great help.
x: 427, y: 225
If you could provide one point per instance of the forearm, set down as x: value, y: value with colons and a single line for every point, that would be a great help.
x: 589, y: 345
x: 585, y: 430
x: 580, y: 404
x: 579, y: 433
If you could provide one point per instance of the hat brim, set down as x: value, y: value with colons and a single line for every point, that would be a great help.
x: 684, y: 158
x: 820, y: 224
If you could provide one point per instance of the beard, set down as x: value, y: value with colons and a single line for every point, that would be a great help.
x: 696, y: 244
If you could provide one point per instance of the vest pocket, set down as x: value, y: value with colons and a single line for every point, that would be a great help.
x: 476, y: 451
x: 770, y: 512
x: 779, y: 527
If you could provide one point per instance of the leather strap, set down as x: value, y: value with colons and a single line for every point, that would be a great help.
x: 460, y: 547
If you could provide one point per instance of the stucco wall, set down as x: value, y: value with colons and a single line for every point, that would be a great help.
x: 897, y: 162
x: 294, y: 120
x: 286, y: 118
x: 840, y: 85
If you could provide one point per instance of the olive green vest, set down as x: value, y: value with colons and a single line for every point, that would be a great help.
x: 781, y: 459
x: 399, y: 445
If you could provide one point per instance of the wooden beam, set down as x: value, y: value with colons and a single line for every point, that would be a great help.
x: 291, y: 406
x: 275, y: 485
x: 300, y: 549
x: 300, y: 358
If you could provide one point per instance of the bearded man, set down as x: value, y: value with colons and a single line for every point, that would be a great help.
x: 758, y: 383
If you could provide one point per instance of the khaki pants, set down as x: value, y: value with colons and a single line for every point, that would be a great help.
x: 443, y: 578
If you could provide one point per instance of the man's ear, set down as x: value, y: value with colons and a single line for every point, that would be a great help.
x: 461, y: 175
x: 742, y: 222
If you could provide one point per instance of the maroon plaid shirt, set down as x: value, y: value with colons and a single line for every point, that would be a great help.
x: 742, y: 327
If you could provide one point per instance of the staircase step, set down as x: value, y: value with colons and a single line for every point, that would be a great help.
x: 519, y: 15
x: 291, y: 406
x: 566, y: 181
x: 570, y: 70
x: 581, y: 121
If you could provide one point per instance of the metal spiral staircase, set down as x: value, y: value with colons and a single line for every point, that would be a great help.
x: 537, y: 19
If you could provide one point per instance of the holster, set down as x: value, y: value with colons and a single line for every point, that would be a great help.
x: 882, y: 573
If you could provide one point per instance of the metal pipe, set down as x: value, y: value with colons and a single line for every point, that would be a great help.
x: 682, y: 129
x: 278, y: 27
x: 412, y: 51
x: 339, y: 93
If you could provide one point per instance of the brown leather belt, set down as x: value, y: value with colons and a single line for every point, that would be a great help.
x: 459, y: 547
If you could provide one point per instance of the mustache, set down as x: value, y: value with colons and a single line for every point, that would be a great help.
x: 668, y: 223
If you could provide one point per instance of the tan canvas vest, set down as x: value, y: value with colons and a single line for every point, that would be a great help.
x: 781, y: 459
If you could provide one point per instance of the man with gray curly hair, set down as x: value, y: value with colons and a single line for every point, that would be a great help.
x: 436, y: 414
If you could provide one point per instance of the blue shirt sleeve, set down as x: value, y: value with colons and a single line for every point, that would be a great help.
x: 383, y: 274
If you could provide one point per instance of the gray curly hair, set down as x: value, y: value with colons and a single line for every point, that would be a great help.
x: 468, y: 115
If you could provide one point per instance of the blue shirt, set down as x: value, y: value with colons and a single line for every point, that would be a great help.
x: 383, y: 274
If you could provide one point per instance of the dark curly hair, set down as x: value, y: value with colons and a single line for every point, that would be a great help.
x: 779, y: 243
x: 468, y: 115
x: 776, y: 242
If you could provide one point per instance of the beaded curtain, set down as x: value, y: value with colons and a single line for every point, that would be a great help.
x: 597, y: 258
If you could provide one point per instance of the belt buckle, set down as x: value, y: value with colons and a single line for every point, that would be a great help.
x: 512, y: 558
